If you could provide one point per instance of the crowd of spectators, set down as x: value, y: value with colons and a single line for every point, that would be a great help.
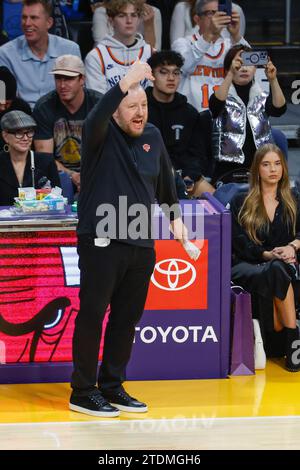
x: 211, y: 111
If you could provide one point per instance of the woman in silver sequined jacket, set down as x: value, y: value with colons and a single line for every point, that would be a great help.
x: 241, y: 113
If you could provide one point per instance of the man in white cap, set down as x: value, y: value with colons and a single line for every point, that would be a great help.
x: 60, y: 115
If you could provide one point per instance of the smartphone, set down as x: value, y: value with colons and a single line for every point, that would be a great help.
x: 225, y: 5
x: 255, y: 58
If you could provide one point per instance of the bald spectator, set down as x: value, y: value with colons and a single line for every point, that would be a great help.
x: 31, y: 57
x: 60, y: 115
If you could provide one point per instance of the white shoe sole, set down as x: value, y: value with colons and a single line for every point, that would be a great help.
x: 260, y: 358
x: 99, y: 414
x: 130, y: 409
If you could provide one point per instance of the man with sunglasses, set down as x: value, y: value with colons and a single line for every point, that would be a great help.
x: 186, y: 134
x: 204, y: 52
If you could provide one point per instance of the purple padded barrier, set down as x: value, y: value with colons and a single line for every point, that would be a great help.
x: 197, y: 356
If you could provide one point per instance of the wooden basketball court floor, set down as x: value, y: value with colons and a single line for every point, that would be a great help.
x: 249, y: 412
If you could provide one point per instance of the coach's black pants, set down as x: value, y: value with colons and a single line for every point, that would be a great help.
x: 118, y: 275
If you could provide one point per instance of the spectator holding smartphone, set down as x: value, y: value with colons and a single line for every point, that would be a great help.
x: 183, y: 22
x: 241, y: 111
x: 204, y: 51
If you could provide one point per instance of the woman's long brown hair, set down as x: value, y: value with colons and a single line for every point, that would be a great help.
x: 253, y: 216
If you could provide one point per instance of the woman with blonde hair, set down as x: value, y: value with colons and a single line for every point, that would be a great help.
x: 266, y: 240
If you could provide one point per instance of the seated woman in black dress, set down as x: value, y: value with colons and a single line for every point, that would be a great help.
x: 266, y: 239
x: 16, y: 161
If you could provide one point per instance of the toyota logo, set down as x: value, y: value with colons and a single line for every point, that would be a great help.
x: 172, y: 270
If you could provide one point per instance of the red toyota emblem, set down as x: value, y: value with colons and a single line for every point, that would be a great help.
x: 146, y: 147
x: 177, y: 282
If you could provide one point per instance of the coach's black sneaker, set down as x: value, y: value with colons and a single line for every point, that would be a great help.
x: 93, y: 404
x: 124, y: 402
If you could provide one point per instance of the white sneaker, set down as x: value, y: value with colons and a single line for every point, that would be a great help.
x: 259, y: 352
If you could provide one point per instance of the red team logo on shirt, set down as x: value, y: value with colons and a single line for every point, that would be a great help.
x: 146, y: 147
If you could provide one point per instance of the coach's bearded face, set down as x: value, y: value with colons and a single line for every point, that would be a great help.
x: 132, y: 114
